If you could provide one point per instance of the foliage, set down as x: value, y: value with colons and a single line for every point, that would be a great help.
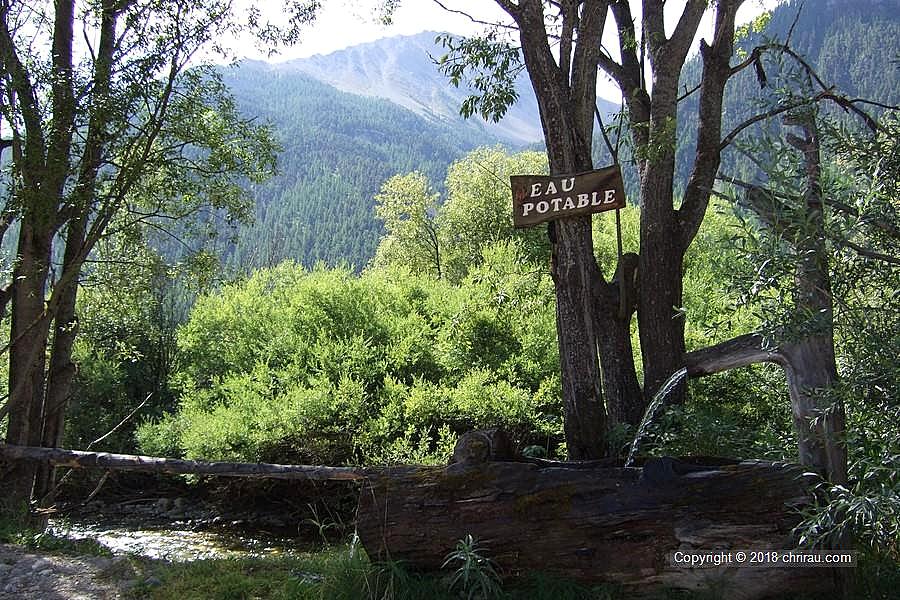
x: 125, y: 350
x: 407, y: 206
x: 446, y: 239
x: 476, y: 211
x: 489, y: 65
x: 325, y: 367
x: 474, y: 572
x: 865, y: 179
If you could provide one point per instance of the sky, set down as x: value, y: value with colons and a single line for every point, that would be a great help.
x: 343, y: 23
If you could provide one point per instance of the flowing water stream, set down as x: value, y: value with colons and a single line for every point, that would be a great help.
x: 173, y: 544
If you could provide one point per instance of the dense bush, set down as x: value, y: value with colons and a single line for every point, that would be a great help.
x: 328, y: 367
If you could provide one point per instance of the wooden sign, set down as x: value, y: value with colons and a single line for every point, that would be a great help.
x: 539, y: 198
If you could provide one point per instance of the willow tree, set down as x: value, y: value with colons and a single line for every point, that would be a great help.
x: 110, y: 123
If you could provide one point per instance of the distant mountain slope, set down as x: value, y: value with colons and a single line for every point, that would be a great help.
x: 852, y: 44
x: 400, y: 69
x: 338, y: 150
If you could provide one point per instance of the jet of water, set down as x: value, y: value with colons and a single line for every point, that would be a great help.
x: 655, y: 404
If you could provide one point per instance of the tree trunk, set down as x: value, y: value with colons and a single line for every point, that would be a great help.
x: 813, y: 369
x: 61, y: 369
x: 596, y: 523
x: 818, y: 419
x: 574, y: 272
x: 586, y: 521
x: 28, y: 335
x: 660, y: 319
x: 614, y: 309
x: 76, y: 459
x: 574, y: 269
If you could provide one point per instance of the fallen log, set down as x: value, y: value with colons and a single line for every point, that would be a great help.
x: 76, y: 459
x: 600, y: 524
x: 592, y: 522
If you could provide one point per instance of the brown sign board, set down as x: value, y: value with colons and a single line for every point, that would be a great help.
x: 539, y: 198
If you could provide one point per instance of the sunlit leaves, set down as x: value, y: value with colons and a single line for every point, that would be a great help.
x: 489, y: 66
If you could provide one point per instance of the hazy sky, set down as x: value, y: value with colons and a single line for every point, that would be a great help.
x: 343, y: 23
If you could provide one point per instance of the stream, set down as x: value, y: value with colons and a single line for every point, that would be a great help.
x: 172, y: 544
x: 178, y: 530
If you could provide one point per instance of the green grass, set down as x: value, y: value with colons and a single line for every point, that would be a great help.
x: 15, y: 531
x: 336, y: 574
x: 332, y: 574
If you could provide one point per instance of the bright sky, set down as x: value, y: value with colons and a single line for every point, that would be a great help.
x: 343, y: 23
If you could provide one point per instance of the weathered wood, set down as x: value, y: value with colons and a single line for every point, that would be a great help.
x: 590, y: 521
x: 76, y: 459
x: 595, y: 524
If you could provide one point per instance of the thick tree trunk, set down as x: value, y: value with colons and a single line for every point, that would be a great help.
x: 568, y: 124
x: 614, y: 309
x: 660, y: 319
x: 574, y: 271
x: 61, y: 370
x: 818, y: 419
x: 595, y: 523
x: 813, y: 369
x: 28, y: 335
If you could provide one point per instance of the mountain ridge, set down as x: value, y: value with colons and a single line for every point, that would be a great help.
x: 401, y: 69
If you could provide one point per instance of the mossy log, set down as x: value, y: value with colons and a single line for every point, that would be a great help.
x: 596, y: 523
x: 593, y: 521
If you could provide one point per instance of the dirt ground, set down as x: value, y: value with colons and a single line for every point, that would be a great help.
x: 30, y: 575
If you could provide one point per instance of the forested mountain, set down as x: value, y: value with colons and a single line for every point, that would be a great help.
x: 853, y: 45
x: 401, y: 69
x: 338, y: 150
x: 351, y: 119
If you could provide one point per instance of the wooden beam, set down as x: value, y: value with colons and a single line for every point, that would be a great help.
x: 76, y: 459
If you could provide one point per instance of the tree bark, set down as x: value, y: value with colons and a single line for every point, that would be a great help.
x: 614, y: 309
x: 28, y: 332
x: 586, y: 521
x: 75, y: 459
x: 574, y: 269
x: 61, y: 369
x: 595, y: 523
x: 44, y: 169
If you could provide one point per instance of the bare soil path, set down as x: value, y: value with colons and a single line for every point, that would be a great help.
x: 36, y: 575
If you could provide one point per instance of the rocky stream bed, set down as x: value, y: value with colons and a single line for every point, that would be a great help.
x: 138, y: 530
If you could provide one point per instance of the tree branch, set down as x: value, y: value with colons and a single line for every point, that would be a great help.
x: 862, y: 251
x: 716, y: 73
x: 742, y: 351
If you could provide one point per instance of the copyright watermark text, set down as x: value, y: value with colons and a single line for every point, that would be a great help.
x: 761, y: 558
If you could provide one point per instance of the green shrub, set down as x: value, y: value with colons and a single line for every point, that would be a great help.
x: 327, y: 367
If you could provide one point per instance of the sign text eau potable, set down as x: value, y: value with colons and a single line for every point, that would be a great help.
x: 539, y: 198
